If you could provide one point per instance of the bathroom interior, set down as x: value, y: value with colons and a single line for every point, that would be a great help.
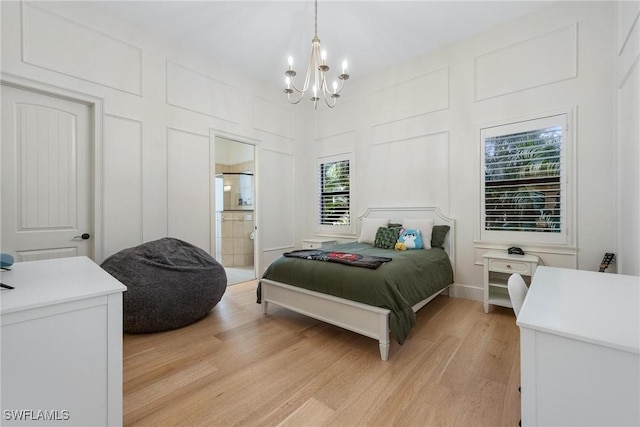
x: 235, y: 201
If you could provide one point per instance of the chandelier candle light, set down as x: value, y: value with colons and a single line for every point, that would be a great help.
x: 318, y: 67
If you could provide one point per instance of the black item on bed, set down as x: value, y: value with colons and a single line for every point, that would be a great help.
x: 346, y: 258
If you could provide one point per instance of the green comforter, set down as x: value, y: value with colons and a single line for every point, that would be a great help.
x: 410, y: 277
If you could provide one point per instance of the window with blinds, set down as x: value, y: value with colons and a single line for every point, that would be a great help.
x: 334, y: 193
x: 523, y: 195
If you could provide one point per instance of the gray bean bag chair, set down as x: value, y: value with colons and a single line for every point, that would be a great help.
x: 170, y: 284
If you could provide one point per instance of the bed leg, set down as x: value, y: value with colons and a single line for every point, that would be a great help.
x: 384, y: 350
x: 383, y: 329
x: 264, y: 306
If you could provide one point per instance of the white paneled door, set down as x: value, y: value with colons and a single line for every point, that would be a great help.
x: 46, y: 176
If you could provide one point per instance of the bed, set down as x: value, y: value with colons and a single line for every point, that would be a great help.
x: 376, y: 303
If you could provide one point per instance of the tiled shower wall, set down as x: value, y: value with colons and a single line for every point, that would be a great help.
x: 236, y: 244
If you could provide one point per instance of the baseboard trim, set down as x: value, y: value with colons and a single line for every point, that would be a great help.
x: 458, y: 290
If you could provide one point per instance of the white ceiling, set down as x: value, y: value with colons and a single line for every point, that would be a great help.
x: 256, y: 37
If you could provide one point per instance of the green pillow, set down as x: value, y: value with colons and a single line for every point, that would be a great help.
x: 438, y: 235
x: 386, y: 237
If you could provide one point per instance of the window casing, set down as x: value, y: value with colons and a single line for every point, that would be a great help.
x: 524, y: 182
x: 334, y: 195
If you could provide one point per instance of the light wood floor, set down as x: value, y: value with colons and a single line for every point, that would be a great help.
x: 459, y: 367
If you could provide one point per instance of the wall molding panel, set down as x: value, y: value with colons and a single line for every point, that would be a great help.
x: 123, y: 189
x: 424, y: 136
x: 629, y: 72
x: 67, y: 47
x: 341, y: 144
x: 189, y: 187
x: 628, y: 137
x: 413, y: 127
x: 198, y: 92
x: 424, y: 161
x: 335, y: 121
x: 273, y: 118
x: 420, y: 95
x: 279, y: 209
x: 629, y: 32
x: 628, y: 18
x: 525, y: 65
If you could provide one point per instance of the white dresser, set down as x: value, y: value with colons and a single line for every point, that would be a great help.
x: 61, y: 344
x: 580, y: 349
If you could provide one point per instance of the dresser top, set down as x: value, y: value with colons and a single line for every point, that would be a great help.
x: 600, y: 308
x: 54, y: 281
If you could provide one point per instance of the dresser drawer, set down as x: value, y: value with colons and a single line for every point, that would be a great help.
x: 509, y: 266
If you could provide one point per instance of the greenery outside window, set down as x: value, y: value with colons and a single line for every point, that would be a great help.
x: 334, y: 194
x: 524, y: 177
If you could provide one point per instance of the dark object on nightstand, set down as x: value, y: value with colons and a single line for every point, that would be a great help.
x: 514, y: 250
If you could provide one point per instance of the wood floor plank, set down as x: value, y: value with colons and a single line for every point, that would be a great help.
x: 309, y: 414
x: 237, y: 366
x: 408, y: 392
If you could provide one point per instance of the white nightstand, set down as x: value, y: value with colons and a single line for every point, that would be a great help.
x: 317, y: 243
x: 498, y: 266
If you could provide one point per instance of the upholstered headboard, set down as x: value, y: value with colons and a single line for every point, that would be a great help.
x: 397, y: 215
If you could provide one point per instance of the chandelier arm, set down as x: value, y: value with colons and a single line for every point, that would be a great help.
x: 310, y: 65
x: 294, y: 87
x: 297, y: 100
x: 318, y: 81
x: 305, y: 85
x: 326, y: 101
x: 323, y: 80
x: 327, y: 93
x: 339, y: 88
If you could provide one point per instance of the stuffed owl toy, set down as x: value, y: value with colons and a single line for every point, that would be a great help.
x: 412, y: 239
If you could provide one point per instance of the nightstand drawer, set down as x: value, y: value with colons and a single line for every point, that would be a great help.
x: 311, y: 245
x: 508, y: 266
x: 317, y: 243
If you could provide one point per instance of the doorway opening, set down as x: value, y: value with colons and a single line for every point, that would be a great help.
x: 234, y: 209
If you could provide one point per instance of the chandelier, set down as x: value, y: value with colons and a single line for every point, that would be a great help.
x: 318, y: 68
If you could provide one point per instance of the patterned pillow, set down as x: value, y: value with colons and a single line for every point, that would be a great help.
x: 386, y: 237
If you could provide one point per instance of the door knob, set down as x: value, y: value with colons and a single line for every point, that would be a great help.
x: 84, y: 236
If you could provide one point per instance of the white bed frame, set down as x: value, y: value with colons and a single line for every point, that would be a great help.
x: 363, y: 319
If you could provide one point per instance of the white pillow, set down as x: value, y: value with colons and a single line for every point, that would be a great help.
x: 369, y: 228
x: 425, y: 225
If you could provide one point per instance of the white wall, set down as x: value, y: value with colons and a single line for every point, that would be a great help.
x: 163, y: 106
x: 414, y: 129
x: 627, y: 82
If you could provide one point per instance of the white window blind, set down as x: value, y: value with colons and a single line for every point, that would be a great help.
x: 524, y: 181
x: 334, y: 193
